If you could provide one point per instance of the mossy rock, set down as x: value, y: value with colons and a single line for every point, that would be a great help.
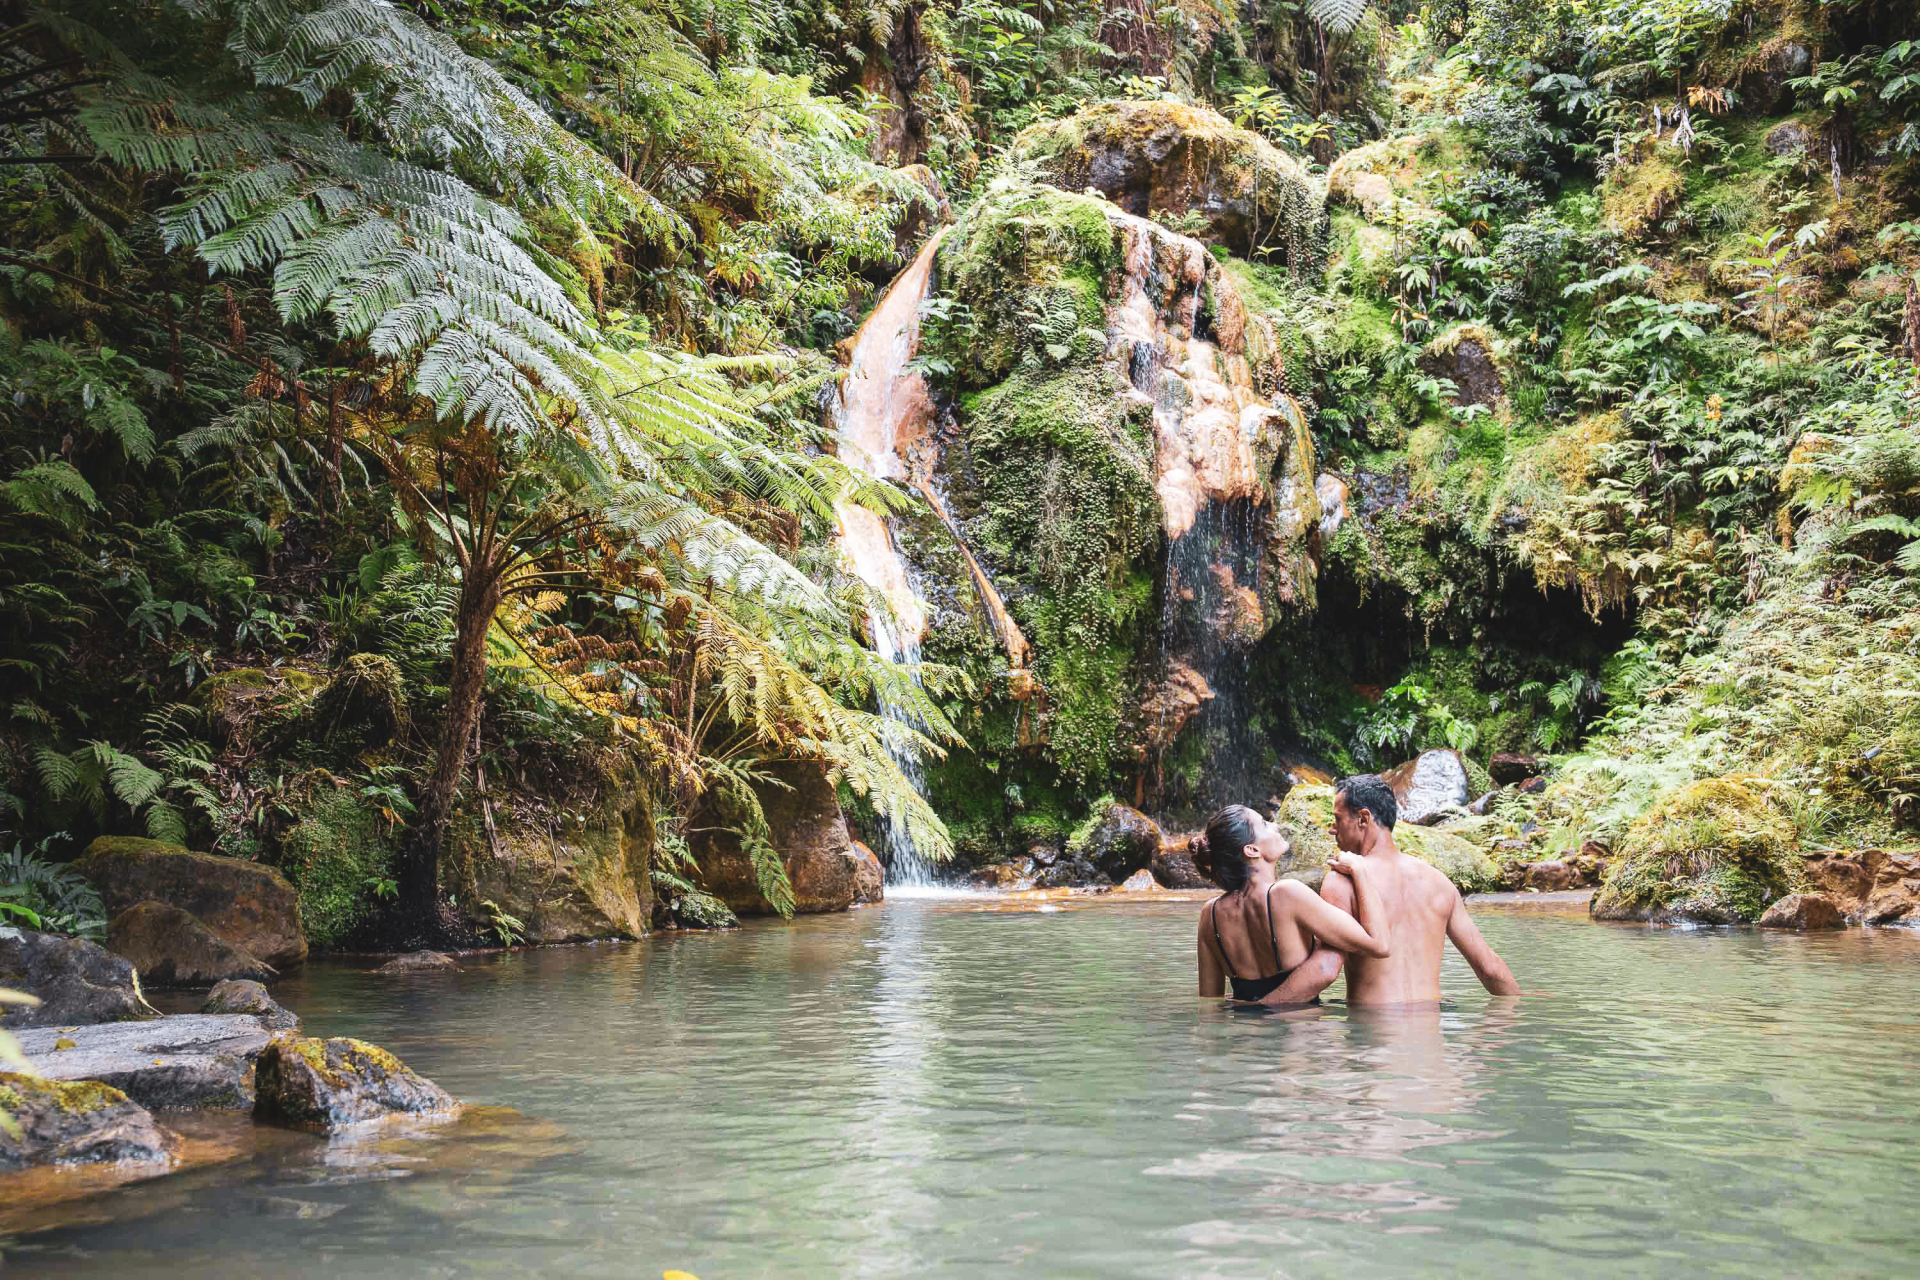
x: 1715, y: 851
x: 1173, y: 158
x: 331, y: 1084
x: 336, y: 854
x: 77, y: 1122
x: 1307, y: 817
x: 248, y: 905
x: 363, y: 706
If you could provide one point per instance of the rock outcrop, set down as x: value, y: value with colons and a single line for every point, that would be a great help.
x: 809, y: 834
x: 588, y: 880
x: 186, y: 1062
x: 1123, y: 841
x: 250, y: 906
x: 171, y: 948
x: 78, y: 983
x: 1430, y: 782
x: 1869, y: 886
x: 330, y: 1084
x: 1172, y: 158
x: 242, y: 996
x: 1803, y: 911
x: 1508, y: 767
x: 83, y: 1122
x: 869, y: 877
x: 1174, y: 867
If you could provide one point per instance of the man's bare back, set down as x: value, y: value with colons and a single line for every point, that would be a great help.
x: 1425, y: 912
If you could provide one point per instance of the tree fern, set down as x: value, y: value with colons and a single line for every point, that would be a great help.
x: 1338, y: 16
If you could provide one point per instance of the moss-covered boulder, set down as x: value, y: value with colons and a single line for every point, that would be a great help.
x: 172, y: 949
x: 77, y: 982
x: 809, y: 834
x: 1716, y: 851
x: 331, y: 1084
x: 571, y: 881
x: 1172, y: 158
x: 363, y: 705
x: 248, y: 905
x: 339, y: 847
x: 242, y: 995
x: 1307, y: 817
x: 77, y: 1122
x: 1119, y: 840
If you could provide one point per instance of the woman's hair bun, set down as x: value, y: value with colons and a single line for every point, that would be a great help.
x: 1198, y: 844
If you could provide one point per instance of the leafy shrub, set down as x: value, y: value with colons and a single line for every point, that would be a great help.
x: 59, y: 899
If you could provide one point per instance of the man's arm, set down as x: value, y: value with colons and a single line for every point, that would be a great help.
x: 1487, y: 964
x: 1317, y: 972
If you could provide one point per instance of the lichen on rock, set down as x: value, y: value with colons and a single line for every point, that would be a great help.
x: 331, y: 1084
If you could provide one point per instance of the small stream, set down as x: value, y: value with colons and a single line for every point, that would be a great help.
x: 953, y: 1088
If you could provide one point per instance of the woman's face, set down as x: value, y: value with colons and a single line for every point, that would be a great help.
x: 1268, y: 839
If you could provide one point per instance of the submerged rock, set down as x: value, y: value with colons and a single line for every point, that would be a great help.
x: 249, y: 906
x: 330, y: 1084
x: 869, y: 877
x: 1432, y: 781
x: 809, y: 833
x: 419, y: 962
x: 1803, y: 911
x: 172, y: 949
x: 77, y: 1122
x: 242, y: 996
x: 188, y: 1061
x: 1122, y: 842
x: 78, y: 983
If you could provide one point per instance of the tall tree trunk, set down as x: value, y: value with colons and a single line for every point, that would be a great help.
x: 480, y: 593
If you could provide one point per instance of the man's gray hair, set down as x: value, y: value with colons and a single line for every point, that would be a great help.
x: 1370, y: 791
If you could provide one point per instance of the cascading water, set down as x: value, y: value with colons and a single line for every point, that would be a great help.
x: 883, y: 407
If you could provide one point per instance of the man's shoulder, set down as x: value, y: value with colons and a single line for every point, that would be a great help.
x: 1432, y: 881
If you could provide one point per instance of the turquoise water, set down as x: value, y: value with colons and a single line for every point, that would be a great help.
x: 934, y: 1089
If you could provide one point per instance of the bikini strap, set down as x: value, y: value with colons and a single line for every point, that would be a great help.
x: 1270, y: 934
x: 1221, y: 947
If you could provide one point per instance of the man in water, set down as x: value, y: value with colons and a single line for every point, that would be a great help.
x: 1422, y: 905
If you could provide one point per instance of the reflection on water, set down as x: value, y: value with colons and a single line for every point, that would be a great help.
x: 934, y: 1088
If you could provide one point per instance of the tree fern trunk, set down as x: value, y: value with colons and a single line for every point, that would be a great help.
x: 420, y: 867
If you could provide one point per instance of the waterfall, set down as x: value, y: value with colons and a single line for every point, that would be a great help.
x: 1180, y: 331
x: 882, y: 410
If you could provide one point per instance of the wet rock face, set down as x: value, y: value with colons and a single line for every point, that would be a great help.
x: 1803, y: 911
x: 78, y: 983
x: 1071, y: 871
x: 1470, y: 364
x: 1693, y: 910
x: 240, y: 995
x: 810, y: 834
x: 330, y: 1084
x: 190, y: 1061
x: 1430, y: 782
x: 588, y: 880
x: 172, y: 949
x: 249, y: 906
x: 1122, y: 842
x: 85, y: 1122
x: 1869, y: 886
x: 1788, y: 138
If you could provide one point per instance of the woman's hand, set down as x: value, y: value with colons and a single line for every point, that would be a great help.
x: 1348, y: 864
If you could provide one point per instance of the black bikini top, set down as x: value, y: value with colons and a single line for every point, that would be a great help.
x: 1251, y: 988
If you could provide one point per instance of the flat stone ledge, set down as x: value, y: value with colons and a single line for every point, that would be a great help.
x: 187, y: 1061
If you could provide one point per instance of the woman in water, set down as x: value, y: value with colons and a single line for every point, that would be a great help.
x: 1261, y: 927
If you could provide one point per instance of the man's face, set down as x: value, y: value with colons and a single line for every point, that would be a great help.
x: 1349, y: 825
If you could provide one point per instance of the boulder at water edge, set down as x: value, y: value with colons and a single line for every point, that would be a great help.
x: 173, y: 949
x: 330, y: 1084
x: 79, y: 1122
x: 188, y: 1061
x: 239, y: 995
x: 1174, y: 867
x: 1122, y: 841
x: 809, y: 833
x: 78, y: 983
x: 420, y: 962
x: 1307, y: 817
x: 1803, y: 911
x: 869, y: 877
x: 250, y: 906
x: 1432, y: 781
x: 1141, y: 881
x: 1869, y: 886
